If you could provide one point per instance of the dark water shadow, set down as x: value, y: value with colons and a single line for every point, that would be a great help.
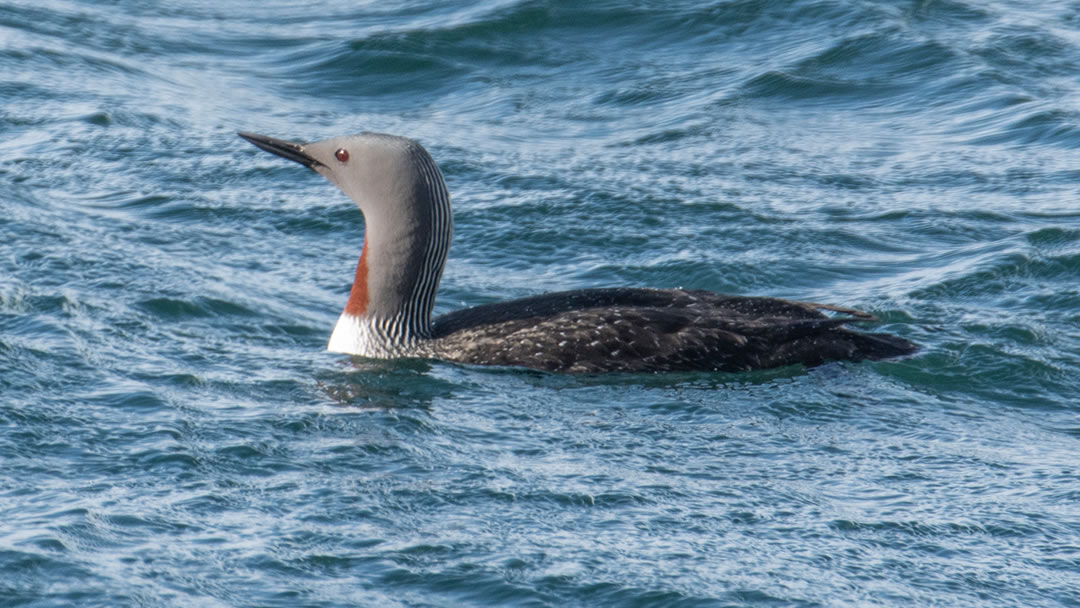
x: 377, y: 384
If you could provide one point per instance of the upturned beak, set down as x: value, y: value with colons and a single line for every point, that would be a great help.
x: 291, y: 150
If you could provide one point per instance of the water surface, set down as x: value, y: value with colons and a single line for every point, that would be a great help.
x: 174, y: 433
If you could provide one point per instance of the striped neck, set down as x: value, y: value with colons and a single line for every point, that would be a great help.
x: 406, y: 242
x: 373, y: 337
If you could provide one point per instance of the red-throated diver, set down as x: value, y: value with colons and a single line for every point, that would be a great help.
x: 407, y: 229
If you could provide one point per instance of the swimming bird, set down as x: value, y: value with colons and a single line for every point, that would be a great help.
x: 407, y: 228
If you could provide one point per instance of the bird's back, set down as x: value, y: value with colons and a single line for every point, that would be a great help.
x: 654, y: 330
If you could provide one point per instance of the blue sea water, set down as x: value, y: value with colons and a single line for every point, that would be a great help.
x: 174, y: 434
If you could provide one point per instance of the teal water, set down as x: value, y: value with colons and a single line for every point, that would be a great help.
x: 174, y: 434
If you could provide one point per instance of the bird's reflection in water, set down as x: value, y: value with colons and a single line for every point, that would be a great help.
x: 383, y: 384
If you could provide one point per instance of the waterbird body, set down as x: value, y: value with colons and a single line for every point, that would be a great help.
x: 408, y: 226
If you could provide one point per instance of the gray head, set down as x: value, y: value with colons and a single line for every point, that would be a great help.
x: 406, y: 211
x: 381, y: 173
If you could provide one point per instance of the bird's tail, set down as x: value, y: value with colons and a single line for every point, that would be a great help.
x: 836, y: 343
x: 879, y: 346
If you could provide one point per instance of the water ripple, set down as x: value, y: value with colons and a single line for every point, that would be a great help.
x: 175, y: 434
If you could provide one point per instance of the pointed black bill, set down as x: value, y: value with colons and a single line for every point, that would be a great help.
x: 286, y: 149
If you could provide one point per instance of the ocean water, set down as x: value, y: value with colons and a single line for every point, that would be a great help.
x: 173, y: 433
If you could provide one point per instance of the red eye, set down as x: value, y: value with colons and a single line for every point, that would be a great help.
x: 342, y: 155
